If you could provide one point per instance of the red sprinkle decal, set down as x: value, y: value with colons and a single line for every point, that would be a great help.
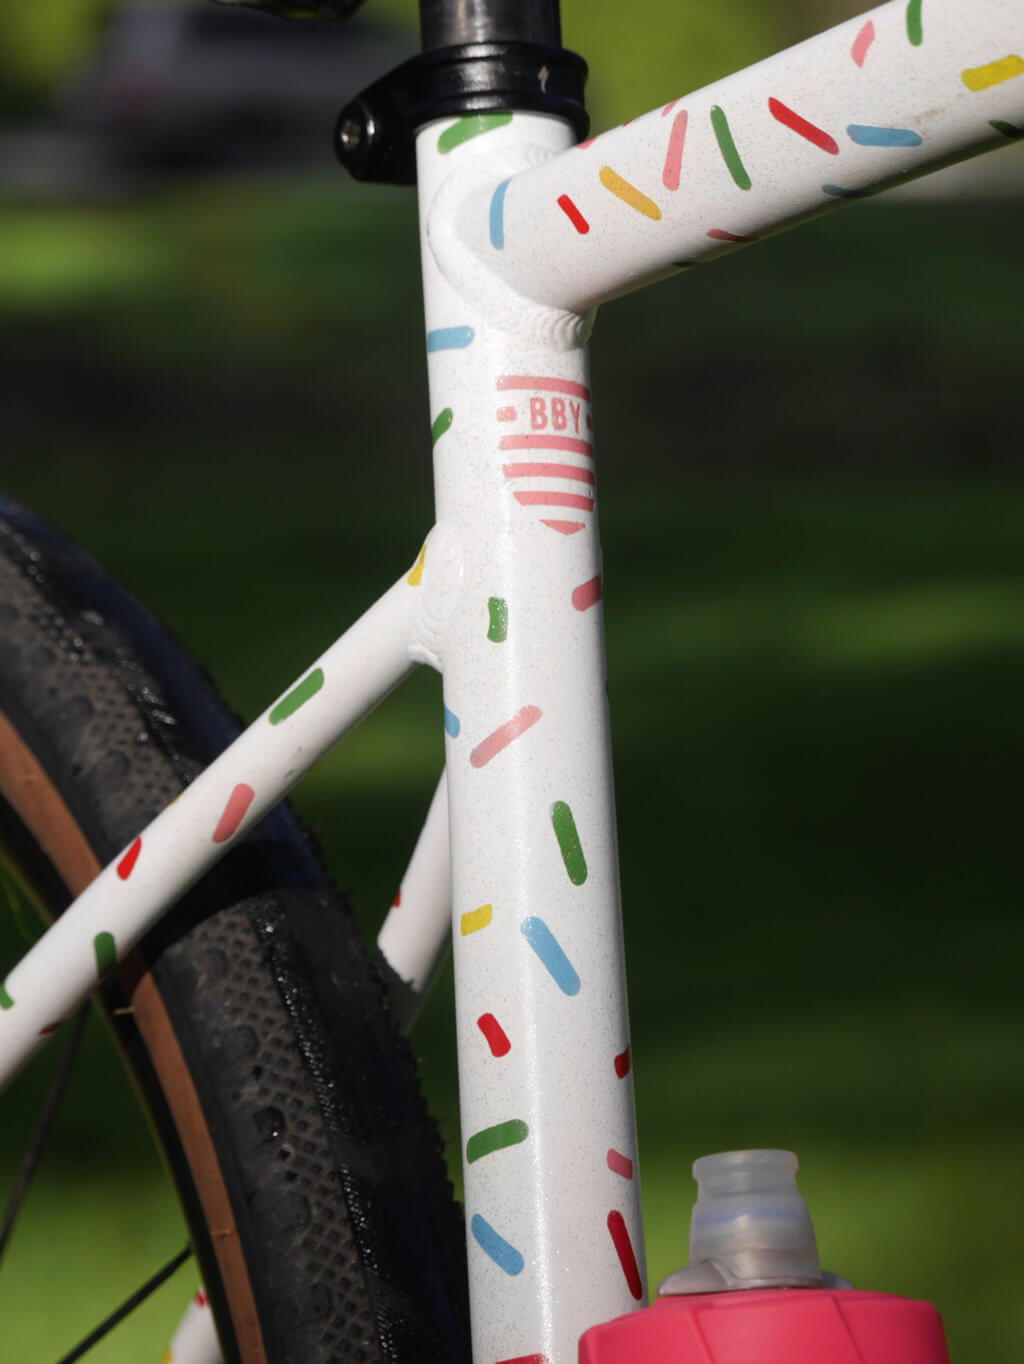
x: 620, y: 1164
x: 525, y: 1359
x: 201, y: 1299
x: 862, y: 42
x: 622, y: 1063
x: 573, y: 214
x: 50, y: 1028
x: 719, y: 234
x: 810, y: 131
x: 497, y: 1038
x: 504, y: 735
x: 127, y: 863
x: 564, y: 527
x: 624, y: 1250
x: 398, y: 898
x: 234, y: 812
x: 674, y: 155
x: 587, y: 594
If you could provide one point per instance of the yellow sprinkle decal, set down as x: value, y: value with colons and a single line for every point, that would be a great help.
x: 629, y: 194
x: 168, y: 1358
x: 475, y: 919
x: 982, y: 77
x: 416, y: 576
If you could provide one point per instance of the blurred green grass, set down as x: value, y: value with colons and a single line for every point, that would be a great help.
x: 811, y: 513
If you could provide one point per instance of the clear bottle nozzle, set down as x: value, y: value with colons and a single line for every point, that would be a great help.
x: 750, y: 1226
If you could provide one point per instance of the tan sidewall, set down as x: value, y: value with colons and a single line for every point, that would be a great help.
x: 26, y: 786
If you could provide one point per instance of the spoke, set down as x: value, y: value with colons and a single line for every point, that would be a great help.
x: 43, y: 1125
x: 129, y: 1305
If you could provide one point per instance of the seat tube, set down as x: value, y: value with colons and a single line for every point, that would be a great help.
x: 512, y: 610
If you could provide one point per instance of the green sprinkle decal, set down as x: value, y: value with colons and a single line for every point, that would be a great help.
x: 727, y: 147
x: 298, y: 696
x: 914, y: 30
x: 496, y: 1138
x: 1007, y: 129
x: 442, y: 423
x: 470, y: 126
x: 569, y: 842
x: 6, y: 1002
x: 497, y: 631
x: 106, y: 952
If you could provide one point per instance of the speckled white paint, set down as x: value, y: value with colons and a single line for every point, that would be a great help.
x: 195, y: 1340
x: 549, y: 1195
x: 61, y: 969
x: 899, y: 84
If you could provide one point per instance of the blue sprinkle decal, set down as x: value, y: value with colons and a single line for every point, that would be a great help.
x: 498, y: 216
x: 838, y: 192
x: 867, y: 136
x: 449, y: 338
x: 504, y: 1255
x: 452, y: 723
x: 548, y: 948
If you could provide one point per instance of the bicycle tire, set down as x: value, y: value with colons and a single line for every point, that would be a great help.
x: 256, y: 1026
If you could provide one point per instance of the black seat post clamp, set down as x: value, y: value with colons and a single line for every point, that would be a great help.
x: 375, y: 133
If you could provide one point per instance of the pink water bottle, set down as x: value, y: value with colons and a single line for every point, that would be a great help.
x: 754, y: 1292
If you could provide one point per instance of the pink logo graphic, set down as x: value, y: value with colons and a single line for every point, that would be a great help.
x: 545, y: 438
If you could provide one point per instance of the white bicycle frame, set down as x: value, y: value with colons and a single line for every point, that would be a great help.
x: 522, y: 235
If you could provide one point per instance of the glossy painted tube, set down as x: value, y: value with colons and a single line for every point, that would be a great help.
x: 902, y: 90
x: 513, y: 588
x: 220, y: 806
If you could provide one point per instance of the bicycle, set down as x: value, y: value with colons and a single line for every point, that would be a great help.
x: 547, y: 413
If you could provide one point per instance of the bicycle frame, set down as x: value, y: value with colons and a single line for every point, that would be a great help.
x: 522, y: 235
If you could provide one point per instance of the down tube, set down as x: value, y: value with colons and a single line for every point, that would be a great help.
x: 513, y: 579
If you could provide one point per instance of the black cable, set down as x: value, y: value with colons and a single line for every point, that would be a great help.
x: 43, y: 1125
x: 129, y: 1305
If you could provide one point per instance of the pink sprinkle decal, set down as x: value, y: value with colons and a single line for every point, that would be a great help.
x: 127, y: 863
x: 674, y: 155
x: 569, y: 444
x: 525, y: 1359
x: 620, y: 1164
x: 542, y: 385
x: 497, y: 1039
x: 862, y: 42
x: 622, y: 1064
x: 573, y: 214
x: 624, y: 1250
x: 504, y: 735
x: 573, y: 500
x: 801, y: 126
x: 564, y: 527
x: 580, y: 146
x: 669, y: 107
x: 234, y: 812
x: 587, y: 594
x: 719, y: 234
x: 570, y: 471
x: 506, y: 414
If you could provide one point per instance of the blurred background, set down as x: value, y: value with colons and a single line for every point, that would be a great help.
x: 811, y: 512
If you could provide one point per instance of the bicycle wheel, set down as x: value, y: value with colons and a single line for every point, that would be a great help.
x: 255, y: 1026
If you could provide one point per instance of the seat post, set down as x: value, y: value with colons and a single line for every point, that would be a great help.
x: 449, y: 23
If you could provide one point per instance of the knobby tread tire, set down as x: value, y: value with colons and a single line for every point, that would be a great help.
x: 257, y: 1027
